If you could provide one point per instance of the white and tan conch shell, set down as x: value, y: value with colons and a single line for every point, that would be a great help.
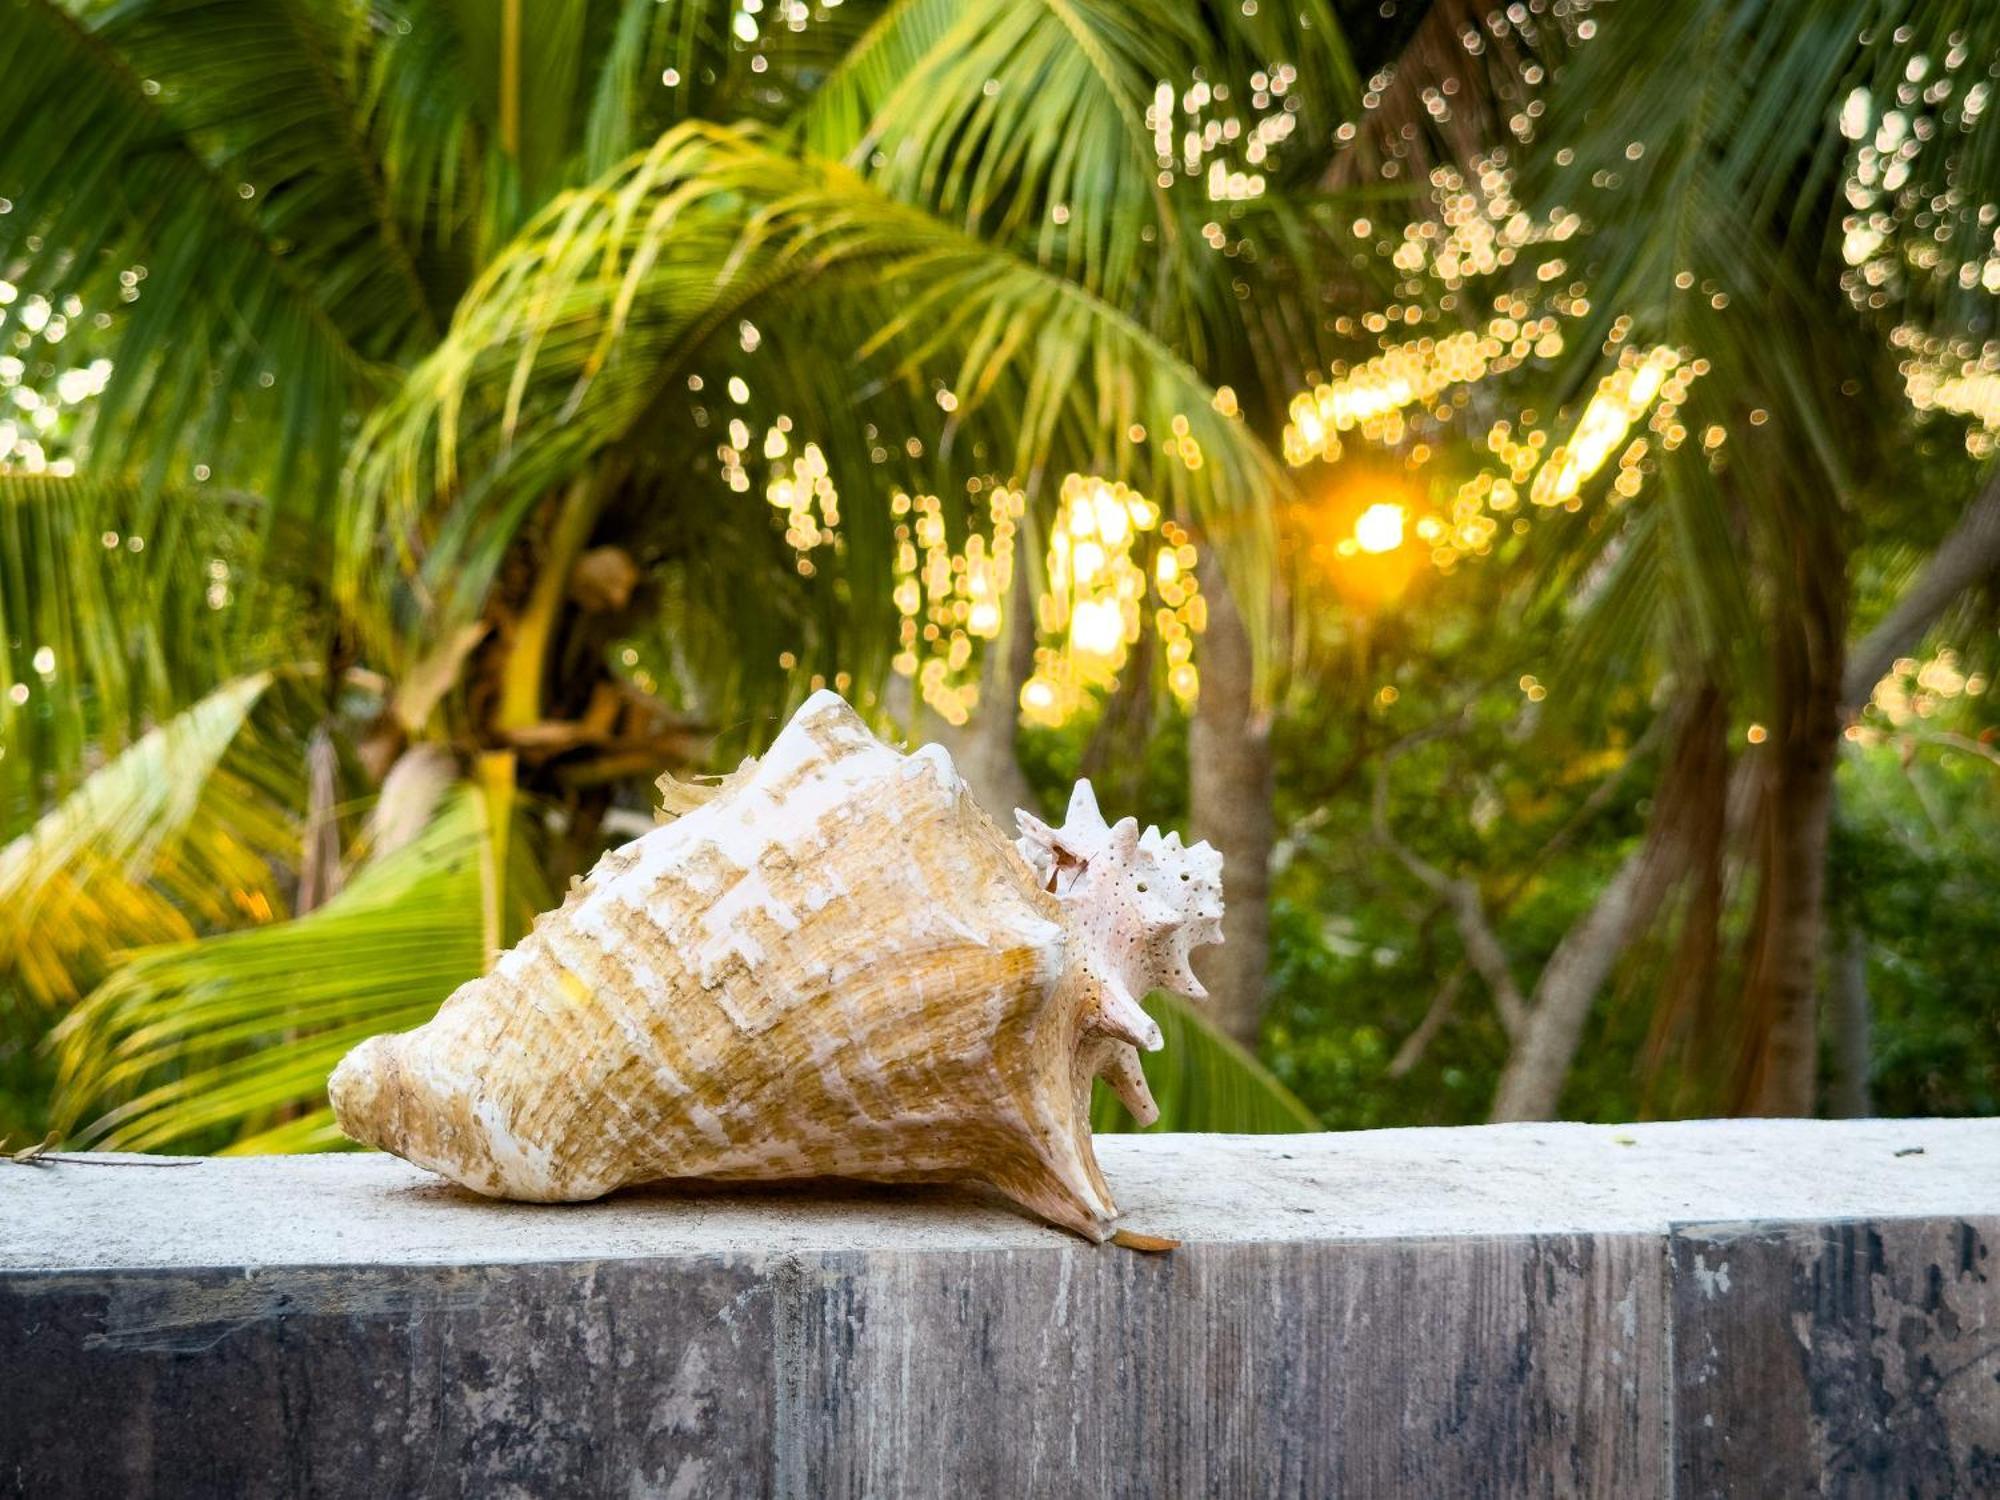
x: 838, y: 966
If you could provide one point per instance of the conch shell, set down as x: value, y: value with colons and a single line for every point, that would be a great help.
x: 837, y: 966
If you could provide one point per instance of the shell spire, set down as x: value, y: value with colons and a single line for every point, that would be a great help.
x: 1138, y: 904
x: 831, y: 964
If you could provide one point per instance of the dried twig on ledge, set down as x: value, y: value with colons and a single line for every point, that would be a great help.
x: 39, y: 1155
x: 1151, y: 1244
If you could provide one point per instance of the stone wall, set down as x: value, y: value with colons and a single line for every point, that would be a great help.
x: 1728, y: 1308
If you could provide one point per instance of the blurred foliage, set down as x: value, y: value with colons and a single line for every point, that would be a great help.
x: 384, y: 384
x: 1917, y: 869
x: 163, y: 1039
x: 335, y: 335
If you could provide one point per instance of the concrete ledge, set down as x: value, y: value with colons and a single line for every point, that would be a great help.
x: 1743, y: 1308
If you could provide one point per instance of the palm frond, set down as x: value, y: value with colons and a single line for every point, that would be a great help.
x: 576, y: 340
x: 525, y: 64
x: 423, y: 113
x: 116, y: 610
x: 731, y: 609
x: 232, y: 320
x: 1204, y: 1080
x: 481, y: 111
x: 230, y: 1039
x: 658, y: 62
x: 952, y: 134
x: 1028, y: 123
x: 650, y: 42
x: 1712, y: 195
x: 160, y: 842
x: 270, y: 91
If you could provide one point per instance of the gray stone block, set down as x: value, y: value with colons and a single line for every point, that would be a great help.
x: 1859, y: 1358
x: 1477, y: 1366
x: 617, y: 1377
x: 1741, y: 1308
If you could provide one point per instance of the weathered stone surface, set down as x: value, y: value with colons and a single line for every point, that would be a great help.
x: 615, y: 1377
x: 1471, y: 1366
x: 1856, y: 1358
x: 1746, y: 1308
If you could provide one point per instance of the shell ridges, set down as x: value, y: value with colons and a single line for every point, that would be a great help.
x: 837, y: 965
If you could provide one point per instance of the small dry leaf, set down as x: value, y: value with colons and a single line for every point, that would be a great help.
x: 31, y: 1156
x: 426, y: 683
x: 1151, y: 1244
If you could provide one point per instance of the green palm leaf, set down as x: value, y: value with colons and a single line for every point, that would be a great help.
x: 1203, y: 1080
x: 575, y: 337
x: 1713, y: 190
x: 431, y: 135
x: 668, y: 59
x: 158, y: 843
x: 525, y: 62
x: 135, y: 606
x: 229, y: 320
x: 270, y: 92
x: 995, y: 158
x: 995, y: 114
x: 231, y: 1038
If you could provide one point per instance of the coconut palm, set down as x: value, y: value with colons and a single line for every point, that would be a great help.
x: 406, y: 539
x: 408, y: 535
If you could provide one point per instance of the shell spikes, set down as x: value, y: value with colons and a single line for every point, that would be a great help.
x: 1137, y: 905
x: 837, y: 966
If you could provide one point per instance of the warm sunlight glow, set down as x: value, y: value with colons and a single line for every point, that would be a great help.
x: 1479, y: 230
x: 1621, y: 399
x: 1353, y: 532
x: 1114, y: 565
x: 1380, y: 527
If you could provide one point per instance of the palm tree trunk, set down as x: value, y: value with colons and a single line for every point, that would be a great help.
x: 1852, y: 1024
x: 1784, y: 984
x: 1781, y: 996
x: 1532, y: 1081
x: 1229, y: 797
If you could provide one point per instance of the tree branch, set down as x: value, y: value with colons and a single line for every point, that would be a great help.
x: 1482, y: 945
x: 1418, y: 1041
x: 1966, y: 557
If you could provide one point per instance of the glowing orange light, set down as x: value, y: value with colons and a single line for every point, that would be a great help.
x: 1355, y: 531
x: 1379, y: 528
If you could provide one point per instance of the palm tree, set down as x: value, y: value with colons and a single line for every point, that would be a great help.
x: 444, y: 341
x: 409, y: 533
x: 1809, y: 208
x: 1792, y: 196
